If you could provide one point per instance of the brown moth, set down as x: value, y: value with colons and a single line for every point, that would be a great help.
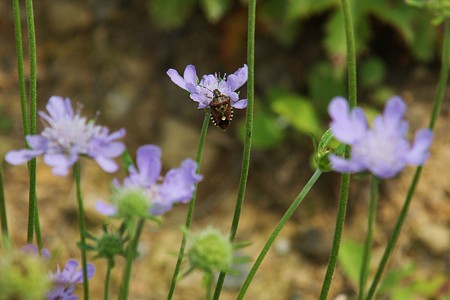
x: 221, y: 110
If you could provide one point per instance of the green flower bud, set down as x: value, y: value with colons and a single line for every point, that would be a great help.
x: 131, y: 203
x: 23, y: 276
x: 211, y: 251
x: 326, y: 146
x: 109, y: 245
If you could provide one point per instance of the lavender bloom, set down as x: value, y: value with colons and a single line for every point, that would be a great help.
x: 64, y: 282
x: 383, y: 150
x: 66, y: 136
x: 202, y: 92
x: 160, y: 193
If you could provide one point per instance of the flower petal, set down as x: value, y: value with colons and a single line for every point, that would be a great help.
x: 240, y: 104
x: 343, y: 165
x: 18, y: 157
x: 60, y: 163
x: 346, y: 126
x: 237, y: 79
x: 419, y: 151
x: 176, y: 78
x: 179, y: 184
x: 148, y: 160
x: 108, y: 165
x: 105, y: 209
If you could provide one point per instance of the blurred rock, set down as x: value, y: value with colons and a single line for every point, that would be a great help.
x: 68, y: 16
x: 313, y: 244
x: 434, y: 236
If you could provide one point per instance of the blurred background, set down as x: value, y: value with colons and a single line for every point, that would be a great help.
x: 111, y: 57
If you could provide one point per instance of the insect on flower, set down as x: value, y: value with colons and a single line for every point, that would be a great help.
x: 221, y: 110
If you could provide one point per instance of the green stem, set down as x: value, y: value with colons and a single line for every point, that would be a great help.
x: 190, y: 212
x: 131, y: 253
x: 209, y: 286
x: 20, y: 68
x: 82, y: 228
x: 368, y: 243
x: 108, y: 281
x: 3, y: 215
x: 33, y: 203
x: 277, y: 230
x: 248, y: 132
x: 439, y: 96
x: 345, y: 180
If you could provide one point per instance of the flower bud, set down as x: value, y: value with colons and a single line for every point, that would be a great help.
x: 131, y: 203
x: 211, y: 251
x: 23, y: 276
x: 326, y: 146
x: 109, y: 245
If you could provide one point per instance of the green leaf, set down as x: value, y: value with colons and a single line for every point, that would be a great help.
x: 394, y: 277
x: 372, y: 72
x: 215, y: 9
x: 268, y: 132
x: 350, y: 259
x: 170, y: 13
x: 297, y: 111
x: 307, y: 8
x: 324, y: 84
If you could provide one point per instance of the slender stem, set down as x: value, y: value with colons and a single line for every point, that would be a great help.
x: 248, y: 132
x: 368, y: 243
x: 82, y: 228
x: 209, y: 282
x: 108, y: 281
x: 277, y: 230
x: 345, y: 180
x: 439, y: 96
x: 3, y: 215
x: 20, y: 68
x: 190, y: 212
x: 33, y: 203
x: 132, y: 248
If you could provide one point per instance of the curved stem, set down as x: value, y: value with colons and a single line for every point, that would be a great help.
x: 248, y: 132
x: 190, y: 212
x: 132, y: 249
x: 368, y: 243
x: 345, y: 180
x: 82, y: 228
x: 440, y: 91
x: 277, y: 230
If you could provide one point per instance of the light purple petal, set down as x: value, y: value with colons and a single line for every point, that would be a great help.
x: 189, y: 82
x: 62, y: 292
x: 148, y: 160
x: 108, y: 165
x: 419, y: 151
x: 242, y: 103
x: 58, y: 107
x: 237, y: 79
x: 117, y: 134
x: 176, y: 78
x: 346, y: 126
x: 343, y: 165
x: 391, y: 122
x: 37, y: 142
x: 18, y: 157
x: 60, y: 163
x: 105, y: 209
x: 179, y: 184
x: 90, y: 271
x: 203, y: 101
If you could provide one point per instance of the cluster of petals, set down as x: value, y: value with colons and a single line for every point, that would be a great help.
x: 202, y: 92
x: 64, y: 281
x: 383, y: 149
x: 66, y: 137
x: 162, y: 193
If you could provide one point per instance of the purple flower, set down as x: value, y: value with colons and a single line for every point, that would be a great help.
x: 64, y: 281
x: 383, y: 149
x: 159, y: 194
x: 66, y: 136
x: 202, y: 92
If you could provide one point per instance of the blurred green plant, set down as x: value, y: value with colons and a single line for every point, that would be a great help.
x: 401, y: 283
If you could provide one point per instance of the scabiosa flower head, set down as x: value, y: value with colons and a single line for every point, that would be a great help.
x: 211, y: 251
x: 66, y: 136
x: 203, y: 91
x: 144, y: 192
x: 64, y: 281
x: 383, y: 149
x: 23, y: 275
